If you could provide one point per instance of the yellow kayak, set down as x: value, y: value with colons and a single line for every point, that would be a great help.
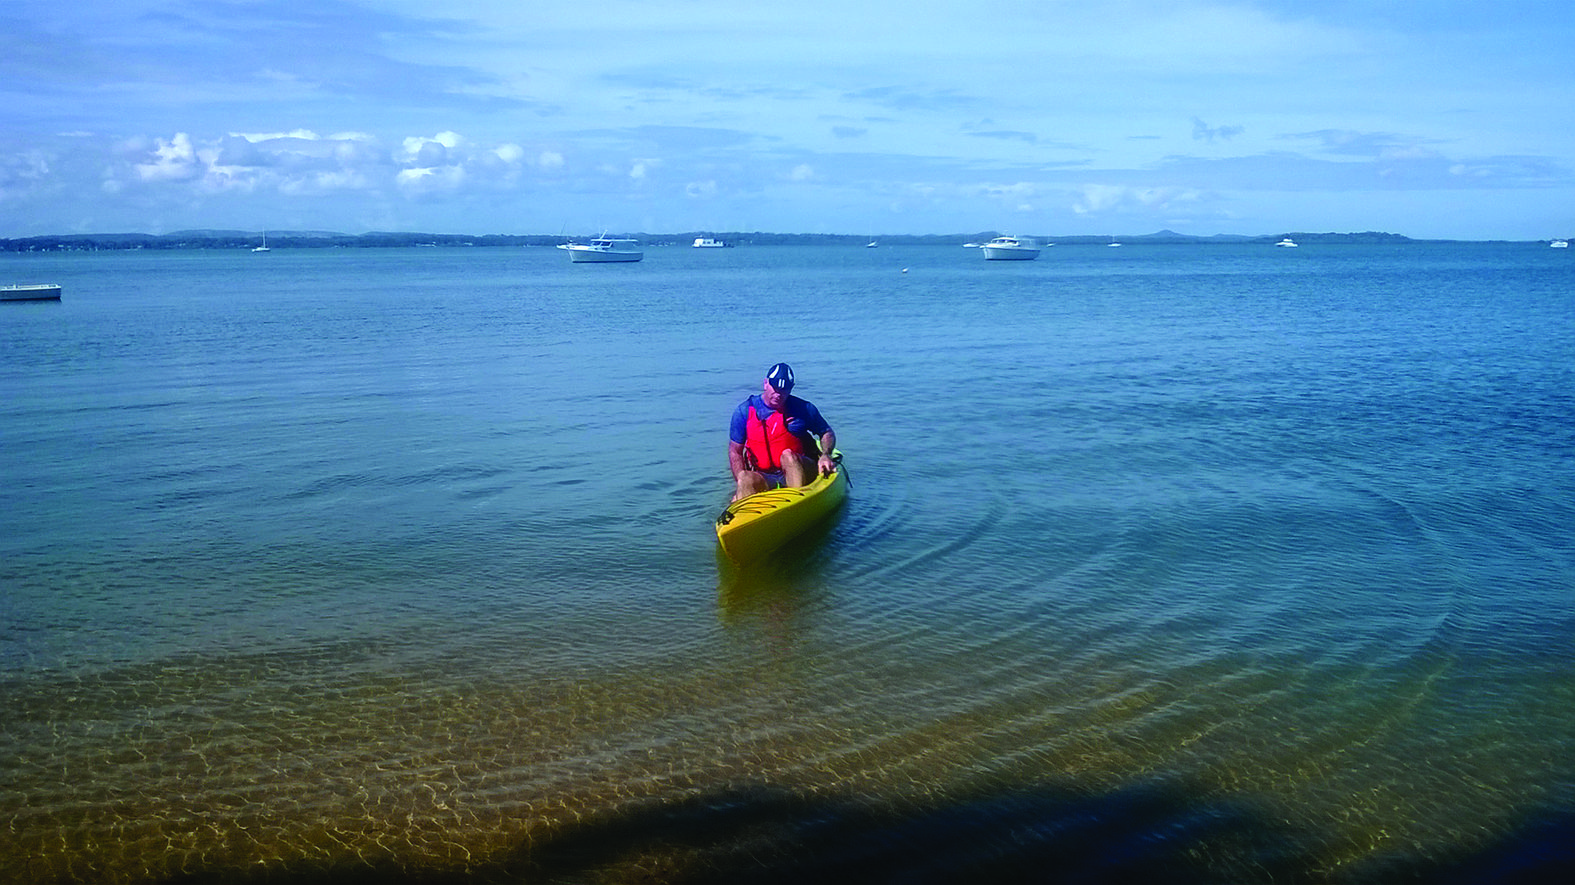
x: 760, y: 523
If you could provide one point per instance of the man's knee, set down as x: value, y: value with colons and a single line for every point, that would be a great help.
x: 797, y: 469
x: 751, y: 482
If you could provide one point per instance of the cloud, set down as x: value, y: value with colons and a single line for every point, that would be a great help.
x: 22, y: 171
x: 1383, y: 145
x: 173, y: 160
x: 1007, y: 135
x: 909, y: 100
x: 326, y: 182
x: 303, y: 134
x: 1098, y: 199
x: 1202, y: 132
x: 430, y: 151
x: 1018, y: 197
x: 848, y: 131
x: 802, y: 172
x: 426, y: 181
x: 302, y: 163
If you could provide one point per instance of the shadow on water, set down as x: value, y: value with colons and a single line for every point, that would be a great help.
x: 1153, y: 833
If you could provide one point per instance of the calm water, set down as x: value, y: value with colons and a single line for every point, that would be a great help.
x: 1220, y: 563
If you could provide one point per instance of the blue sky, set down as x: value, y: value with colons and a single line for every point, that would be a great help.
x: 1431, y: 119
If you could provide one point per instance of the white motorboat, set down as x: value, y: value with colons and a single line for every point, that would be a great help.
x: 1286, y: 243
x: 604, y: 249
x: 1010, y: 249
x: 30, y: 292
x: 708, y: 243
x: 1560, y: 244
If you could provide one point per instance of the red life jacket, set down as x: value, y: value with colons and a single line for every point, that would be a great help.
x: 768, y: 438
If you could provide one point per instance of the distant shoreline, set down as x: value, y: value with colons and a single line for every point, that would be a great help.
x: 225, y: 239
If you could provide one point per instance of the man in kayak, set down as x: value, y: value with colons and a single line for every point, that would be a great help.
x: 772, y: 440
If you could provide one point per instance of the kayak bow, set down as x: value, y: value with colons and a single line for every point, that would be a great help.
x: 762, y: 522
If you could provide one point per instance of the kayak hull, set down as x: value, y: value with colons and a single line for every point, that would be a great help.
x: 753, y: 527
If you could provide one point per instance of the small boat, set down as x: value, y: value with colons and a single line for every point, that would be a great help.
x: 30, y: 292
x: 264, y: 246
x: 762, y: 522
x: 1559, y: 244
x: 870, y: 245
x: 604, y: 249
x: 1010, y: 249
x: 708, y: 243
x: 1286, y: 243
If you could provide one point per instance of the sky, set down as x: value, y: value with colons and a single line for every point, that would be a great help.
x: 1428, y: 118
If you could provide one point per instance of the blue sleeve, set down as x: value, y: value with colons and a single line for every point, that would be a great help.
x: 812, y: 420
x: 739, y: 432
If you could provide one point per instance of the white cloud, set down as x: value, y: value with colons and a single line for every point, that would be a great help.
x: 173, y: 160
x: 1095, y: 199
x: 428, y: 150
x: 325, y: 182
x: 1098, y: 198
x: 303, y: 134
x: 423, y: 181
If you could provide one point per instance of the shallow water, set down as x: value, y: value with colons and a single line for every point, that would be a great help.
x: 1217, y: 562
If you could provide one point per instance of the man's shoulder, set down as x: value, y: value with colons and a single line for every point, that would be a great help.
x: 741, y: 414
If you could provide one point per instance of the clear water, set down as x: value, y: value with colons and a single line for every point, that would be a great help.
x: 1221, y: 563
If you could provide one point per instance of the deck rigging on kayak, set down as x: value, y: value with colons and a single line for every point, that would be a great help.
x: 754, y: 526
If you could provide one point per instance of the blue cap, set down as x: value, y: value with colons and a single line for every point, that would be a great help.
x: 780, y: 377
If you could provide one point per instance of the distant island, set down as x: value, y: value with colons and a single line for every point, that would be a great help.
x: 229, y: 239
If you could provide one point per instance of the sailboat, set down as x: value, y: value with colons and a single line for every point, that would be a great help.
x: 264, y: 246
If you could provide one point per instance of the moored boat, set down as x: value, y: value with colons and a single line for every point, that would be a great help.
x: 1560, y: 244
x: 708, y: 243
x: 1286, y: 243
x: 762, y: 522
x: 30, y: 292
x: 1010, y: 249
x: 604, y: 249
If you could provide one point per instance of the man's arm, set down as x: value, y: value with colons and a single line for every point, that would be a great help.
x: 737, y: 458
x: 828, y: 444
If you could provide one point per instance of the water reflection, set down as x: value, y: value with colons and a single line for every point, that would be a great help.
x: 782, y: 582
